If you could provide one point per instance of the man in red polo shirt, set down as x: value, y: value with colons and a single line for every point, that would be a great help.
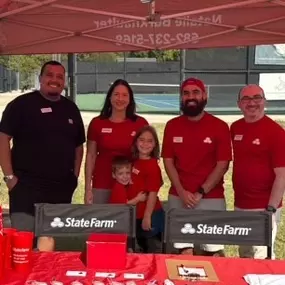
x: 259, y: 162
x: 196, y: 152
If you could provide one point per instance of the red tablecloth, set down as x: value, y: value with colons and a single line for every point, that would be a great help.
x: 53, y: 266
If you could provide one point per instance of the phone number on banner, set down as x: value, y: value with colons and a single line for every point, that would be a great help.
x: 157, y: 39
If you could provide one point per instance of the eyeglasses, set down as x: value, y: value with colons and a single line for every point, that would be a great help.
x: 255, y: 99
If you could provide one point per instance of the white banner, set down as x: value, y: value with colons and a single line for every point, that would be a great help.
x: 273, y: 85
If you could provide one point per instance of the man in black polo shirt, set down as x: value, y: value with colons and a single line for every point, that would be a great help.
x: 44, y: 162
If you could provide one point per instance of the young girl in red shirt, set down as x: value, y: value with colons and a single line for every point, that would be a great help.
x: 147, y: 178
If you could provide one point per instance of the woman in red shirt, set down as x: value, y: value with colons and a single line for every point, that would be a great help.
x: 147, y: 178
x: 109, y: 135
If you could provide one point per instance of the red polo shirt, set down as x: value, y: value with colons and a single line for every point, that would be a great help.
x: 259, y: 147
x: 119, y: 193
x: 146, y: 176
x: 112, y: 139
x: 196, y: 147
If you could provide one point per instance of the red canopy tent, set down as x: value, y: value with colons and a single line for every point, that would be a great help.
x: 66, y: 26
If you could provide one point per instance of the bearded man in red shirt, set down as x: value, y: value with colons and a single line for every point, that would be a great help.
x: 196, y: 152
x: 259, y: 162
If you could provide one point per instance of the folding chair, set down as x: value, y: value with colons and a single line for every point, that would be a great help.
x: 59, y: 220
x: 218, y: 227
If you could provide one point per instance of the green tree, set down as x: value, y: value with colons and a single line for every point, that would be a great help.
x: 32, y: 63
x: 102, y: 57
x: 27, y: 65
x: 24, y: 63
x: 161, y: 56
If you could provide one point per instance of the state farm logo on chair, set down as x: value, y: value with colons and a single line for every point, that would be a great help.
x: 82, y: 223
x: 215, y: 230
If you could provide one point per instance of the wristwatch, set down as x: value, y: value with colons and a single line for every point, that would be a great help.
x: 201, y: 191
x: 271, y: 209
x: 7, y: 178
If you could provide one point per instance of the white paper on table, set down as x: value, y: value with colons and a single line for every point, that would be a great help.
x: 105, y: 274
x: 76, y: 273
x: 186, y: 271
x: 133, y: 276
x: 265, y: 279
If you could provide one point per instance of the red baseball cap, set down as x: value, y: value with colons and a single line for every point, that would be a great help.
x: 193, y: 81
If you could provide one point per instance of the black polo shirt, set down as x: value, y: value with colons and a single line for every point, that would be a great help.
x: 45, y: 135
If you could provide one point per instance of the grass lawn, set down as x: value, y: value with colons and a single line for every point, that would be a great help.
x: 231, y: 250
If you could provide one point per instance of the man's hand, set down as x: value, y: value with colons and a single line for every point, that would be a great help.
x: 11, y: 183
x: 198, y: 196
x: 188, y: 199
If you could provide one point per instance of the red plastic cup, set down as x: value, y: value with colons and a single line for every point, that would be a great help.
x: 8, y: 234
x: 22, y: 245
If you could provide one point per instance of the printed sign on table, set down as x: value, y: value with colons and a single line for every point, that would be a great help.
x: 62, y: 219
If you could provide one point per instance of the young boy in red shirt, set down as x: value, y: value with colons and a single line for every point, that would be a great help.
x: 121, y: 172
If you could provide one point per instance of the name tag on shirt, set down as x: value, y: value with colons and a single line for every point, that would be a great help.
x: 106, y: 130
x: 177, y: 139
x: 238, y: 137
x: 46, y: 110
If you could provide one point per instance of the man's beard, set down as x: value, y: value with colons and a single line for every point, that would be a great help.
x: 193, y: 110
